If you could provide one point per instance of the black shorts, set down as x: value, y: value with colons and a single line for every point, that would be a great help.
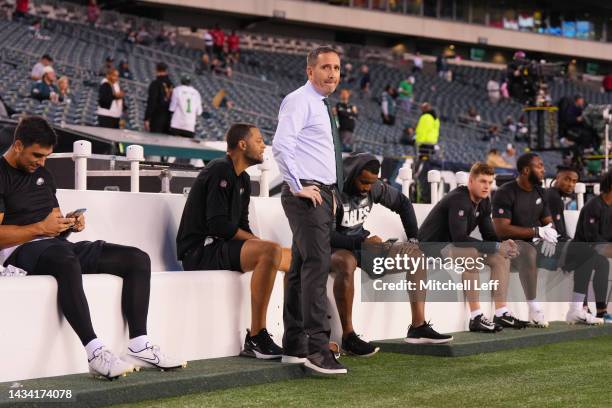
x: 26, y: 256
x: 182, y: 133
x: 218, y: 255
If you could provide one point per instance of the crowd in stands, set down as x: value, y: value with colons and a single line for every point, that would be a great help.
x: 381, y: 94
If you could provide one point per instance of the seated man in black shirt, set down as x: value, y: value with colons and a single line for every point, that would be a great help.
x: 592, y: 249
x: 214, y: 233
x: 363, y: 190
x: 560, y: 195
x: 448, y: 227
x: 521, y: 213
x: 32, y: 239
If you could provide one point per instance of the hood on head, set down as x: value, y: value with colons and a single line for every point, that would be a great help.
x: 353, y: 165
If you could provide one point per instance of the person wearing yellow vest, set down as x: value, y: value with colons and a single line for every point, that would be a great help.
x: 428, y: 126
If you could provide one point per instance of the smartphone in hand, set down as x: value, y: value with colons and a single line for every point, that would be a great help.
x: 73, y: 214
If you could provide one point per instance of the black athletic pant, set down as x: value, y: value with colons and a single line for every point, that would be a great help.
x: 160, y: 123
x: 582, y: 275
x: 108, y: 122
x: 305, y: 311
x: 131, y: 264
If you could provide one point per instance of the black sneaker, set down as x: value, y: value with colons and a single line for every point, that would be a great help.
x: 354, y: 346
x: 507, y: 320
x: 483, y: 325
x: 324, y: 362
x: 425, y: 334
x: 261, y: 346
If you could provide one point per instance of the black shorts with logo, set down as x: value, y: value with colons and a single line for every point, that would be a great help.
x: 218, y: 255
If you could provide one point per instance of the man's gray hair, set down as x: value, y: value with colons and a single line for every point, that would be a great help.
x: 311, y: 59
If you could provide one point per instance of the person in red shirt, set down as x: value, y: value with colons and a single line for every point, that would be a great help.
x: 21, y: 9
x: 607, y: 83
x: 218, y: 40
x: 93, y: 12
x: 233, y: 46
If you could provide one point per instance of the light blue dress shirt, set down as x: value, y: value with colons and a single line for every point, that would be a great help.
x: 303, y: 144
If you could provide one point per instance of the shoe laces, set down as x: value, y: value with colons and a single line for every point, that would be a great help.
x: 265, y: 337
x: 106, y: 357
x: 156, y: 351
x: 485, y: 321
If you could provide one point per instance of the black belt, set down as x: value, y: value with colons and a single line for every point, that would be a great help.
x: 329, y: 187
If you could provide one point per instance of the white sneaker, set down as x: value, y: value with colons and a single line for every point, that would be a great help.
x: 107, y: 365
x: 151, y: 356
x: 580, y: 316
x: 537, y: 319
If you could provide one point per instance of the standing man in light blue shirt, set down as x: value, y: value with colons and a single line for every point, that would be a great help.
x: 307, y: 149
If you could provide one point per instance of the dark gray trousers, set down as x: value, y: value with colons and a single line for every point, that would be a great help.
x: 305, y: 311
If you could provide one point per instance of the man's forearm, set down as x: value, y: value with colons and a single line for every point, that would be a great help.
x: 514, y: 232
x: 12, y: 235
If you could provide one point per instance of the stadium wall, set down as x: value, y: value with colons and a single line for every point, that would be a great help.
x: 333, y: 16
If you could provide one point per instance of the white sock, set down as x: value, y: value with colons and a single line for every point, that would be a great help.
x: 577, y: 300
x: 534, y: 306
x: 475, y: 313
x: 93, y: 346
x: 139, y: 343
x: 500, y: 312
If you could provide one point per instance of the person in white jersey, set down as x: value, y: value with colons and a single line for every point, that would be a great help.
x: 186, y: 106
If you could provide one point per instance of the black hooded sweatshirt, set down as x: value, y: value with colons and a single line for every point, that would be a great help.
x: 352, y: 212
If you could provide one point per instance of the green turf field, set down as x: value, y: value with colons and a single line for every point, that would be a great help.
x: 569, y: 374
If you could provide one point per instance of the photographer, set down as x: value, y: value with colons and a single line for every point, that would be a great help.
x: 577, y: 130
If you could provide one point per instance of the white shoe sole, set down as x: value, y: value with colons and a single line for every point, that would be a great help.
x: 138, y: 363
x: 256, y: 354
x: 583, y: 322
x: 100, y: 376
x: 422, y: 340
x: 293, y: 360
x: 322, y: 370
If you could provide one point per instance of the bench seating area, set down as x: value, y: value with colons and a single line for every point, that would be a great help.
x: 196, y: 315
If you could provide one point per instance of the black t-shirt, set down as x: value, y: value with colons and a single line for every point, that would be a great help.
x: 218, y: 204
x: 556, y: 206
x: 522, y: 208
x: 25, y: 198
x: 594, y: 222
x: 346, y: 116
x: 455, y: 217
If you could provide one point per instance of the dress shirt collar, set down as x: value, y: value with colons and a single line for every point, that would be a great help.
x: 313, y: 92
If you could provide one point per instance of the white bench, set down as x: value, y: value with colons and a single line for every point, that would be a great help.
x: 200, y: 314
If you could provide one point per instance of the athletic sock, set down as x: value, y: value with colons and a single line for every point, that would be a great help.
x: 534, y: 306
x: 475, y: 313
x: 92, y: 346
x: 500, y: 312
x: 139, y: 343
x: 577, y: 300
